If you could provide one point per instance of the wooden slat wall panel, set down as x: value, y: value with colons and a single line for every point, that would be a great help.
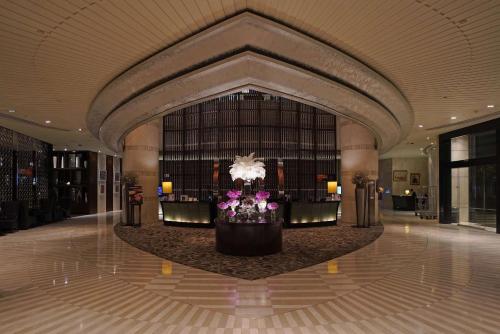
x: 273, y: 128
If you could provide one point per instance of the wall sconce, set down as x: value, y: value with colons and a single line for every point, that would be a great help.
x: 166, y: 187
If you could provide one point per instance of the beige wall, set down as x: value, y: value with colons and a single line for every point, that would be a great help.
x: 411, y: 165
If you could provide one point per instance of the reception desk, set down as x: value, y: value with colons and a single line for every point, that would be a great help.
x: 302, y: 214
x: 403, y: 203
x: 294, y: 214
x: 195, y: 214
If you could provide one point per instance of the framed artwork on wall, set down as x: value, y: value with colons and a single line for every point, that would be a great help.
x: 102, y: 175
x: 415, y: 179
x: 400, y: 176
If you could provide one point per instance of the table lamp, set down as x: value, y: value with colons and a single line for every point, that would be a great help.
x: 332, y: 188
x: 166, y: 187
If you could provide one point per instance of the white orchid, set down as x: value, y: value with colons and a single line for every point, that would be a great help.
x: 247, y: 168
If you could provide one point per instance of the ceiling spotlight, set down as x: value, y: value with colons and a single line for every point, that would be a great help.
x: 11, y: 110
x: 428, y: 138
x: 420, y: 126
x: 432, y: 143
x: 65, y: 149
x: 47, y: 122
x: 490, y: 106
x: 80, y: 130
x: 453, y: 117
x: 99, y: 151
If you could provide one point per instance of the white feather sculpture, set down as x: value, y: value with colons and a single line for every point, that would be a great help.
x: 247, y: 168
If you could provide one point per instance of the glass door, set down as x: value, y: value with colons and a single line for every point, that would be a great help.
x: 474, y: 195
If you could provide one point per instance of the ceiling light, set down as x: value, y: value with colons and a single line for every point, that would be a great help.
x: 99, y: 151
x: 421, y: 149
x: 428, y: 138
x: 80, y: 130
x: 47, y: 122
x: 65, y: 149
x: 432, y: 143
x: 490, y: 106
x: 420, y: 126
x: 453, y: 117
x: 11, y: 110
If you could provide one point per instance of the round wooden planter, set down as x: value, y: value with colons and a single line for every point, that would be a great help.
x: 248, y: 239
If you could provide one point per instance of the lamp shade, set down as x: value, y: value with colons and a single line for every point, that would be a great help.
x: 332, y: 187
x: 166, y: 187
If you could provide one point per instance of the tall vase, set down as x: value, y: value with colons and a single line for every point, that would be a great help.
x: 360, y: 194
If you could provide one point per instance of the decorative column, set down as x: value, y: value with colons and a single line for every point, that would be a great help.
x: 358, y: 153
x: 140, y: 158
x: 433, y: 168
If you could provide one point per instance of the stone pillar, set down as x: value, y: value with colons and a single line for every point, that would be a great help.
x: 140, y: 158
x: 358, y: 153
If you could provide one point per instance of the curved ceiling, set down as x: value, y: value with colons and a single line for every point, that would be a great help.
x: 57, y: 55
x: 250, y: 50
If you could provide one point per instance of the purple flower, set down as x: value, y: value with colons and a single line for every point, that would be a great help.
x: 262, y: 195
x: 233, y: 202
x: 223, y: 205
x: 231, y: 213
x: 272, y: 206
x: 233, y: 194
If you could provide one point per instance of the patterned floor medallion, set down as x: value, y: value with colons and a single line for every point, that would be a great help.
x: 302, y: 247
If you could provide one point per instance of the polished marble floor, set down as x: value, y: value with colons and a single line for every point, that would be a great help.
x: 418, y: 277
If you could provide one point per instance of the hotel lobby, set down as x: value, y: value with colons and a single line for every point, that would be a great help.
x: 249, y: 166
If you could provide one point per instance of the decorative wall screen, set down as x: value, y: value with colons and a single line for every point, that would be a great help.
x: 24, y: 167
x: 275, y: 128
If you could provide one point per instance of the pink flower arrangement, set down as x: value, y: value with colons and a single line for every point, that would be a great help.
x: 262, y: 195
x: 223, y: 205
x: 248, y: 208
x: 233, y: 202
x: 272, y: 206
x: 233, y: 194
x: 138, y: 198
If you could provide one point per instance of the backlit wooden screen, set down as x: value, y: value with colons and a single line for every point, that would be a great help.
x: 275, y: 128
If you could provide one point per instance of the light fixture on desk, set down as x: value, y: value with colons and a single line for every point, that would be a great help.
x: 166, y: 187
x: 332, y: 186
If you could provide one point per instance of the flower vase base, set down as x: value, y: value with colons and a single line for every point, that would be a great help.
x: 248, y: 239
